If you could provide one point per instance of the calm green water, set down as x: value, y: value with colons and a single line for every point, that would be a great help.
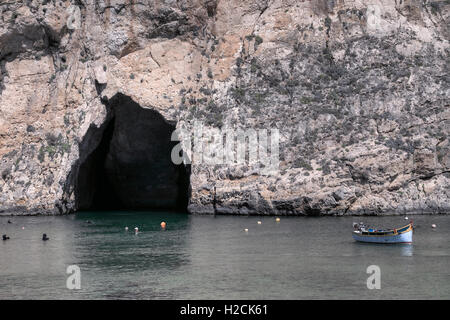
x: 205, y: 257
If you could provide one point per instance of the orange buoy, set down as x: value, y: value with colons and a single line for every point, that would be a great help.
x: 163, y: 225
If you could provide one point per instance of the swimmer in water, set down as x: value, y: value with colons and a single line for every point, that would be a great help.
x: 44, y: 237
x: 5, y: 237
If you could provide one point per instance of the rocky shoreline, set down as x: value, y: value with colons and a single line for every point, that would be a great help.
x: 236, y: 212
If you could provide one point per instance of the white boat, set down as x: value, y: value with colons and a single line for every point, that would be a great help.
x: 400, y: 235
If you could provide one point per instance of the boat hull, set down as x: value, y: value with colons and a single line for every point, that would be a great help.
x: 405, y: 237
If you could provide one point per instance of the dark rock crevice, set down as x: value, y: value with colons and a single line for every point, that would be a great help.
x: 126, y: 163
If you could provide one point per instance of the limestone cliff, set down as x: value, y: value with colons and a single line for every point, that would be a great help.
x: 358, y: 89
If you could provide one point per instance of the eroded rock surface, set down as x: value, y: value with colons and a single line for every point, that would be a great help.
x: 358, y: 89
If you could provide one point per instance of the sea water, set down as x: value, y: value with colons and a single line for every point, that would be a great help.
x: 212, y: 257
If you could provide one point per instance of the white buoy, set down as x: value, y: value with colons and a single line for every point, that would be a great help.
x: 433, y: 226
x: 126, y: 228
x: 406, y: 218
x: 277, y: 219
x: 246, y: 230
x: 259, y: 222
x: 23, y: 228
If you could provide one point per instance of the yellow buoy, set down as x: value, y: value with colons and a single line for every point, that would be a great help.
x: 259, y: 222
x: 163, y: 225
x: 277, y: 219
x: 246, y: 230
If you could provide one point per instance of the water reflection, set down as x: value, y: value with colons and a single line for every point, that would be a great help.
x: 407, y: 250
x: 105, y: 244
x: 394, y: 250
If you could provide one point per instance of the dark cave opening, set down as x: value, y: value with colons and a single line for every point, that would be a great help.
x: 126, y: 163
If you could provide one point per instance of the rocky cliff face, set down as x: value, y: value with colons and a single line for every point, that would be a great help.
x: 358, y: 89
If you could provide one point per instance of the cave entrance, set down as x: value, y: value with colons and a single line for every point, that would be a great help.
x: 127, y: 162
